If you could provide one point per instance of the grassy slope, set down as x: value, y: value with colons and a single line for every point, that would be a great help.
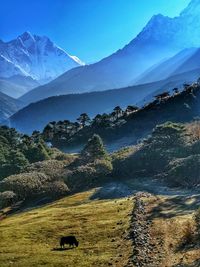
x: 28, y: 238
x: 170, y: 217
x: 31, y: 238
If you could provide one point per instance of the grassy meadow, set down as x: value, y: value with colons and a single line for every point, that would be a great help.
x: 31, y: 238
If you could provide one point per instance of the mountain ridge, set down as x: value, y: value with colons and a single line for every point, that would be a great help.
x: 36, y: 115
x: 161, y: 38
x: 35, y: 56
x: 8, y: 106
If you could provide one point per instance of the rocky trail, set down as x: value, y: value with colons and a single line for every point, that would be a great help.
x: 157, y: 229
x: 146, y: 248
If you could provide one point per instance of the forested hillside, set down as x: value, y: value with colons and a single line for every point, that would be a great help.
x: 124, y: 127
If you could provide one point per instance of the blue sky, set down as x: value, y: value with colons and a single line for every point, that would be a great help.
x: 90, y: 29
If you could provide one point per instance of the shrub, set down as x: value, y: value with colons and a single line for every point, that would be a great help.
x: 68, y: 158
x: 56, y: 189
x: 167, y: 142
x: 26, y: 184
x: 37, y: 152
x: 103, y: 167
x: 34, y: 184
x: 188, y: 234
x: 80, y: 178
x: 184, y: 172
x: 52, y: 168
x: 89, y: 175
x: 7, y: 198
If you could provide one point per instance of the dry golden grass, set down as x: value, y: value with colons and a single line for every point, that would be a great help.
x: 28, y: 238
x: 193, y: 130
x: 170, y: 231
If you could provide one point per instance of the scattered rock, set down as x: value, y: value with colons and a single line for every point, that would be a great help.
x: 140, y: 234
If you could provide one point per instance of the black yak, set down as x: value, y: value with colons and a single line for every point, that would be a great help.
x: 70, y: 240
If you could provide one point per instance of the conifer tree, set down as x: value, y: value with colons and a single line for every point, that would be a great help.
x: 94, y: 149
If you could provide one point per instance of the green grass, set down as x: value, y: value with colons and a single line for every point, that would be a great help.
x: 28, y: 238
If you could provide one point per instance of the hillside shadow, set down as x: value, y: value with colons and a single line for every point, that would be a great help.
x: 174, y: 206
x: 112, y: 190
x: 62, y: 249
x: 27, y: 205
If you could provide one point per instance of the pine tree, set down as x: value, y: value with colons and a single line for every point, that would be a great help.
x: 118, y: 111
x: 84, y: 119
x: 94, y: 149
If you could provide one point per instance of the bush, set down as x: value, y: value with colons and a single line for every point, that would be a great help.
x: 52, y: 168
x: 56, y: 189
x: 30, y: 185
x: 25, y: 185
x: 102, y: 167
x: 188, y: 234
x: 184, y: 172
x: 7, y: 198
x: 80, y: 178
x: 36, y: 152
x: 89, y: 175
x: 168, y: 141
x: 68, y: 158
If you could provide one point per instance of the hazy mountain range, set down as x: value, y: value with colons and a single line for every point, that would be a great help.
x: 17, y: 85
x: 162, y: 37
x: 37, y: 115
x: 165, y: 54
x: 8, y: 106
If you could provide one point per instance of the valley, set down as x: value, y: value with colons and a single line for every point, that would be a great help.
x: 103, y: 241
x: 100, y: 159
x: 100, y: 226
x: 125, y: 207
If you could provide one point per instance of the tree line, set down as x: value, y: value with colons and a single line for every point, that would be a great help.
x: 64, y: 130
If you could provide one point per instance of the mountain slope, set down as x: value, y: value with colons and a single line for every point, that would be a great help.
x: 161, y: 38
x: 17, y: 85
x: 128, y: 130
x: 184, y: 61
x: 8, y: 68
x: 8, y: 106
x: 101, y: 239
x: 35, y: 56
x: 37, y: 115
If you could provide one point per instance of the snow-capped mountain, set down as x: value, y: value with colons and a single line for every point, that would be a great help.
x: 161, y: 38
x: 35, y: 56
x: 173, y: 33
x: 8, y: 68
